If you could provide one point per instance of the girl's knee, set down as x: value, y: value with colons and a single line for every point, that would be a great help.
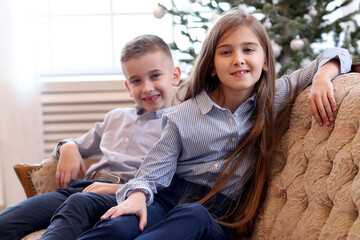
x: 123, y: 227
x: 195, y: 212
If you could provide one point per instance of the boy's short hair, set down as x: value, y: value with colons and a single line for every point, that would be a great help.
x: 142, y: 45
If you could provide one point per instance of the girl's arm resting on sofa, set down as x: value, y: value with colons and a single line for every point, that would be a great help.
x: 321, y: 96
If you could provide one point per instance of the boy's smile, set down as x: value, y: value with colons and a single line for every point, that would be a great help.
x: 151, y: 99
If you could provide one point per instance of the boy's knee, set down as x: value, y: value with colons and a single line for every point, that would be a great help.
x: 76, y: 198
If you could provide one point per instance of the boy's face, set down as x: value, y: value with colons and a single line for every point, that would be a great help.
x: 149, y: 80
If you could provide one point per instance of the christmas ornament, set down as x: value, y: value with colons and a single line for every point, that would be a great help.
x: 307, y: 17
x: 267, y: 24
x: 278, y: 67
x: 297, y: 44
x: 351, y: 49
x: 305, y: 62
x: 312, y: 11
x: 276, y: 49
x: 215, y: 16
x: 159, y: 12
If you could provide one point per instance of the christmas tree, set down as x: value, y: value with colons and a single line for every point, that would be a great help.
x: 299, y: 29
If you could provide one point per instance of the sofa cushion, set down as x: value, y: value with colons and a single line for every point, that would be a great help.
x: 43, y: 179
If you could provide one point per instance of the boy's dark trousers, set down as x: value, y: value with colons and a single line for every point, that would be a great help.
x: 70, y: 212
x: 166, y: 219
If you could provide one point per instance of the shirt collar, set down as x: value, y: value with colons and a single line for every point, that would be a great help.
x: 140, y: 111
x: 206, y: 104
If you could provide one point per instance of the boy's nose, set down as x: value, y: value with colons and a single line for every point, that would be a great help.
x: 148, y: 86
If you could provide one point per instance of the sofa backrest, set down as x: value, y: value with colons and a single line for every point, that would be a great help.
x: 314, y: 188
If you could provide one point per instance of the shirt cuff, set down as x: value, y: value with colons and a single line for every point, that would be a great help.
x: 56, y: 152
x: 142, y: 190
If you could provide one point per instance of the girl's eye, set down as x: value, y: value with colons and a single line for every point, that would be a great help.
x: 225, y: 52
x: 248, y: 50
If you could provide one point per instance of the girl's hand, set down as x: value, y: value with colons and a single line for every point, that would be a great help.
x: 69, y: 164
x: 134, y: 204
x: 321, y: 97
x: 322, y: 100
x: 104, y: 188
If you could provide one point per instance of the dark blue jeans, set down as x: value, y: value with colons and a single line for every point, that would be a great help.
x: 169, y: 217
x: 66, y: 213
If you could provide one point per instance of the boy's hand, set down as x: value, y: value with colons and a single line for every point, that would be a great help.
x: 134, y: 204
x: 69, y: 164
x: 321, y: 97
x: 104, y: 188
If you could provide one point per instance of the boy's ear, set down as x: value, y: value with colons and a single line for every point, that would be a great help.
x: 128, y: 88
x: 176, y: 79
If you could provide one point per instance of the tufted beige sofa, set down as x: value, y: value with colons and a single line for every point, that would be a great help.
x: 314, y: 189
x: 314, y: 185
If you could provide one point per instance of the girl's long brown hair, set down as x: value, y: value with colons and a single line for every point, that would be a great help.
x: 259, y: 143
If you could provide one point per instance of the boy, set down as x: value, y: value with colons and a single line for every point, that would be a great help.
x: 123, y: 138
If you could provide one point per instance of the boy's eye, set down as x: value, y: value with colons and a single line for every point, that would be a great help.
x: 155, y: 75
x: 135, y: 81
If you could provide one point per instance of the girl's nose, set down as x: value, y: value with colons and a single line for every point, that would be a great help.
x: 238, y: 59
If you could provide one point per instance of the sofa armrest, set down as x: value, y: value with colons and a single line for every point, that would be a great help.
x: 21, y: 171
x: 40, y: 178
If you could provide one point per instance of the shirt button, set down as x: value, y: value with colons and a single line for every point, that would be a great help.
x: 127, y: 139
x: 112, y: 157
x: 233, y: 139
x: 236, y: 114
x: 216, y: 165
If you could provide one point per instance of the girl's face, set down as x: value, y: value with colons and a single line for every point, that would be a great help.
x: 238, y: 62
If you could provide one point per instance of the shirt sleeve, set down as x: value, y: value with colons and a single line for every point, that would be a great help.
x: 89, y: 143
x: 158, y: 168
x: 303, y: 77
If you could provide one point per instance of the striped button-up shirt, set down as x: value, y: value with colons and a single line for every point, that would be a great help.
x: 198, y: 133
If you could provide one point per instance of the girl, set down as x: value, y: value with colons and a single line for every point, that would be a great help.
x: 205, y: 177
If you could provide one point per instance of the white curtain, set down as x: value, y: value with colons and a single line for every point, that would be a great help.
x: 20, y: 109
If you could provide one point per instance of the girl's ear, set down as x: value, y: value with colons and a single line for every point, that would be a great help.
x: 213, y: 72
x: 265, y: 67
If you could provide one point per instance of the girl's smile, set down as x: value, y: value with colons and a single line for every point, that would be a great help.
x: 240, y: 73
